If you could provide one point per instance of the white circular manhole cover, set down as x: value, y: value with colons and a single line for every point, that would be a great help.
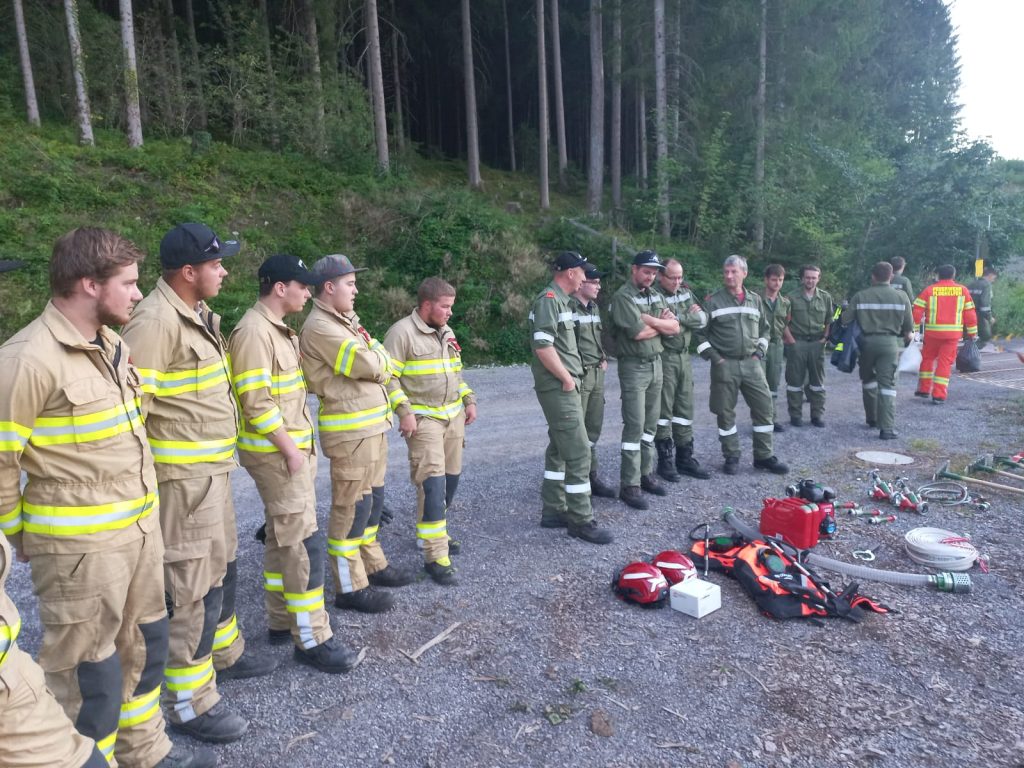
x: 883, y: 457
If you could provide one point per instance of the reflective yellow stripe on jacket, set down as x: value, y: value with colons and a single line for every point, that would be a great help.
x: 8, y: 634
x: 445, y: 411
x: 261, y: 378
x: 255, y: 443
x: 59, y: 430
x: 13, y: 436
x: 427, y: 367
x: 94, y: 518
x: 191, y: 451
x: 10, y: 521
x: 345, y: 422
x: 162, y: 384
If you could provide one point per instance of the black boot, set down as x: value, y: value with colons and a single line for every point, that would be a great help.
x: 649, y: 484
x: 600, y: 488
x: 665, y: 470
x: 687, y: 465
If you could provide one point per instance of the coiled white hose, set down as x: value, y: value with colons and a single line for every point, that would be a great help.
x: 937, y: 548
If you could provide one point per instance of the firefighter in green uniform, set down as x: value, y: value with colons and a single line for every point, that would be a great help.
x: 884, y: 315
x: 640, y: 319
x: 557, y: 371
x: 587, y: 316
x: 981, y: 295
x: 901, y: 282
x: 776, y: 310
x: 810, y: 312
x: 735, y: 340
x: 675, y: 427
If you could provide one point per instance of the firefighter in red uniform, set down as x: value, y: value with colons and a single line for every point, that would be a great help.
x: 947, y: 311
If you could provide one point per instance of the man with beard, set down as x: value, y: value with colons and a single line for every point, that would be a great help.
x: 434, y: 406
x: 87, y: 518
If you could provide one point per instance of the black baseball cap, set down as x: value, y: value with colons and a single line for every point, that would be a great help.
x: 591, y: 272
x: 283, y: 268
x: 568, y: 260
x: 648, y: 259
x: 193, y: 243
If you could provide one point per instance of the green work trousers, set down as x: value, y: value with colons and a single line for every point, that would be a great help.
x: 676, y: 398
x: 592, y: 395
x: 878, y: 359
x: 984, y: 329
x: 729, y: 379
x: 640, y: 383
x: 774, y: 360
x: 805, y: 366
x: 565, y: 492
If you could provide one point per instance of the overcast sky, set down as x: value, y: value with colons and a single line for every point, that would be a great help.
x: 990, y: 48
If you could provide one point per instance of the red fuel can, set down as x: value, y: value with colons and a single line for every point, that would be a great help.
x: 796, y: 520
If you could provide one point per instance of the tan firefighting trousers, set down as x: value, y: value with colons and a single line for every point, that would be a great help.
x: 34, y: 731
x: 105, y: 644
x: 351, y: 530
x: 435, y: 451
x: 197, y: 517
x: 228, y: 643
x: 293, y: 558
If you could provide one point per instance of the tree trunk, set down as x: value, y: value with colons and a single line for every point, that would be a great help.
x: 661, y: 117
x: 616, y: 139
x: 759, y: 103
x: 641, y: 117
x: 316, y: 76
x: 273, y: 119
x: 675, y: 76
x: 31, y: 105
x: 472, y: 133
x: 556, y: 64
x: 197, y: 72
x: 396, y: 66
x: 542, y: 97
x: 380, y: 121
x: 508, y: 92
x: 78, y: 71
x: 174, y: 107
x: 595, y: 166
x: 131, y: 76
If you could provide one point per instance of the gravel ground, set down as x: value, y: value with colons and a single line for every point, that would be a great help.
x: 546, y: 667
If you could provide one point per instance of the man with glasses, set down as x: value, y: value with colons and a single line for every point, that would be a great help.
x: 192, y: 424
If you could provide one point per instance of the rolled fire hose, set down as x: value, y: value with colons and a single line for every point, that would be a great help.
x: 957, y: 583
x: 936, y: 548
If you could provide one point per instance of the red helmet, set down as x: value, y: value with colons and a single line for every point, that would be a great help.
x: 641, y: 583
x: 676, y: 566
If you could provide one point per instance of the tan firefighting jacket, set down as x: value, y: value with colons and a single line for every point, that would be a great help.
x: 10, y: 620
x: 267, y: 379
x: 191, y: 414
x: 71, y: 419
x: 349, y: 371
x: 427, y: 364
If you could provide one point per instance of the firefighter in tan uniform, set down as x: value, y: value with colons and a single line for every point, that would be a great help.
x: 34, y: 731
x: 434, y: 405
x: 192, y: 425
x: 276, y: 446
x: 71, y: 419
x: 349, y: 371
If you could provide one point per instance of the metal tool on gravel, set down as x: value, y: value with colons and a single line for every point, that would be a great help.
x: 983, y: 465
x: 943, y: 473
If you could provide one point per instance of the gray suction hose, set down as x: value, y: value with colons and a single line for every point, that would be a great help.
x: 958, y: 583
